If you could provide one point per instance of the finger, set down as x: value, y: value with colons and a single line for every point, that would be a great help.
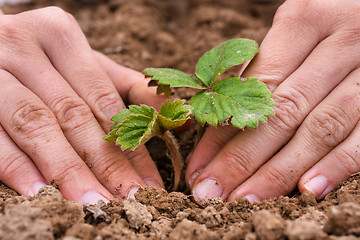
x: 294, y: 99
x: 285, y: 47
x: 335, y: 167
x: 33, y: 128
x: 132, y: 85
x: 325, y: 127
x: 16, y: 168
x: 213, y: 140
x: 147, y: 170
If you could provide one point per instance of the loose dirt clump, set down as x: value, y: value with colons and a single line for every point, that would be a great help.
x: 165, y: 33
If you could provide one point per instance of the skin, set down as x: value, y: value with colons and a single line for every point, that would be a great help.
x: 310, y: 61
x: 57, y: 96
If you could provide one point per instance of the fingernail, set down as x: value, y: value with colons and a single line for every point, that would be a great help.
x: 92, y: 197
x: 152, y: 183
x: 252, y: 198
x: 317, y: 185
x: 131, y: 193
x: 207, y: 189
x: 193, y: 177
x: 36, y: 188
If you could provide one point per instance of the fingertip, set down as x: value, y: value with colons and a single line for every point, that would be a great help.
x: 206, y: 189
x: 36, y: 188
x: 154, y: 183
x: 190, y: 180
x: 93, y: 197
x: 319, y: 185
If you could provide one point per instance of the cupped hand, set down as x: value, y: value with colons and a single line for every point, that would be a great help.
x: 310, y: 61
x: 57, y: 97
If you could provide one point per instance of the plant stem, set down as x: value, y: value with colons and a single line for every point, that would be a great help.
x: 176, y: 158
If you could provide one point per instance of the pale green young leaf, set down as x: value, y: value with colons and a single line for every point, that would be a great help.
x: 174, y: 114
x: 173, y: 77
x: 243, y: 103
x: 225, y: 55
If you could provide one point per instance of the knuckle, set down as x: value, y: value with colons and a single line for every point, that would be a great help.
x: 290, y: 106
x: 56, y: 16
x: 72, y: 113
x: 349, y: 160
x: 12, y: 37
x: 278, y: 179
x: 61, y: 25
x: 9, y: 169
x: 349, y: 36
x: 238, y: 162
x: 107, y: 101
x: 292, y: 11
x: 32, y: 119
x: 328, y: 127
x: 66, y: 172
x: 112, y: 169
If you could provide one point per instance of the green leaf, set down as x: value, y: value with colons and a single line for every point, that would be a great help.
x: 174, y: 78
x: 136, y: 125
x: 175, y: 114
x: 244, y: 103
x: 220, y: 58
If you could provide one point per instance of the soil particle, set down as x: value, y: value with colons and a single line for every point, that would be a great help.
x: 137, y: 214
x: 24, y: 222
x: 81, y: 231
x: 161, y: 229
x: 240, y: 230
x: 168, y: 204
x: 302, y: 229
x: 268, y: 226
x: 307, y: 199
x: 189, y: 230
x: 344, y: 219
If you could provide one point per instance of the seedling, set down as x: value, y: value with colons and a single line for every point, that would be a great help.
x: 243, y: 102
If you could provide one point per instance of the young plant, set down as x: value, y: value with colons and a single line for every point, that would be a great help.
x: 135, y: 126
x: 243, y: 102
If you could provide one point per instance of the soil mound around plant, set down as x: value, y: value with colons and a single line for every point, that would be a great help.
x: 166, y: 33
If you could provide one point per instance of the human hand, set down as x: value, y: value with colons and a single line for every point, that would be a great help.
x: 57, y: 97
x: 310, y: 61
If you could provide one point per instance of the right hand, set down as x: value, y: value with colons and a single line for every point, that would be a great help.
x: 57, y: 97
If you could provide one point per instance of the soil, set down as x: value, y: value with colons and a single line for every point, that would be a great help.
x: 166, y: 33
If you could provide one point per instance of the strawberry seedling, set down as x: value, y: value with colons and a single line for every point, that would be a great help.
x: 243, y: 102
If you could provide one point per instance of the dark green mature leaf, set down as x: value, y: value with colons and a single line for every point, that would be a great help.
x: 136, y: 125
x: 244, y: 103
x: 220, y: 58
x: 174, y: 78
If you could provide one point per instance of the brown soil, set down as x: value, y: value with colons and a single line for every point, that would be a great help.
x: 166, y: 33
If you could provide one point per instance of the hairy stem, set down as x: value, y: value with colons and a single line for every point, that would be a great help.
x: 176, y: 158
